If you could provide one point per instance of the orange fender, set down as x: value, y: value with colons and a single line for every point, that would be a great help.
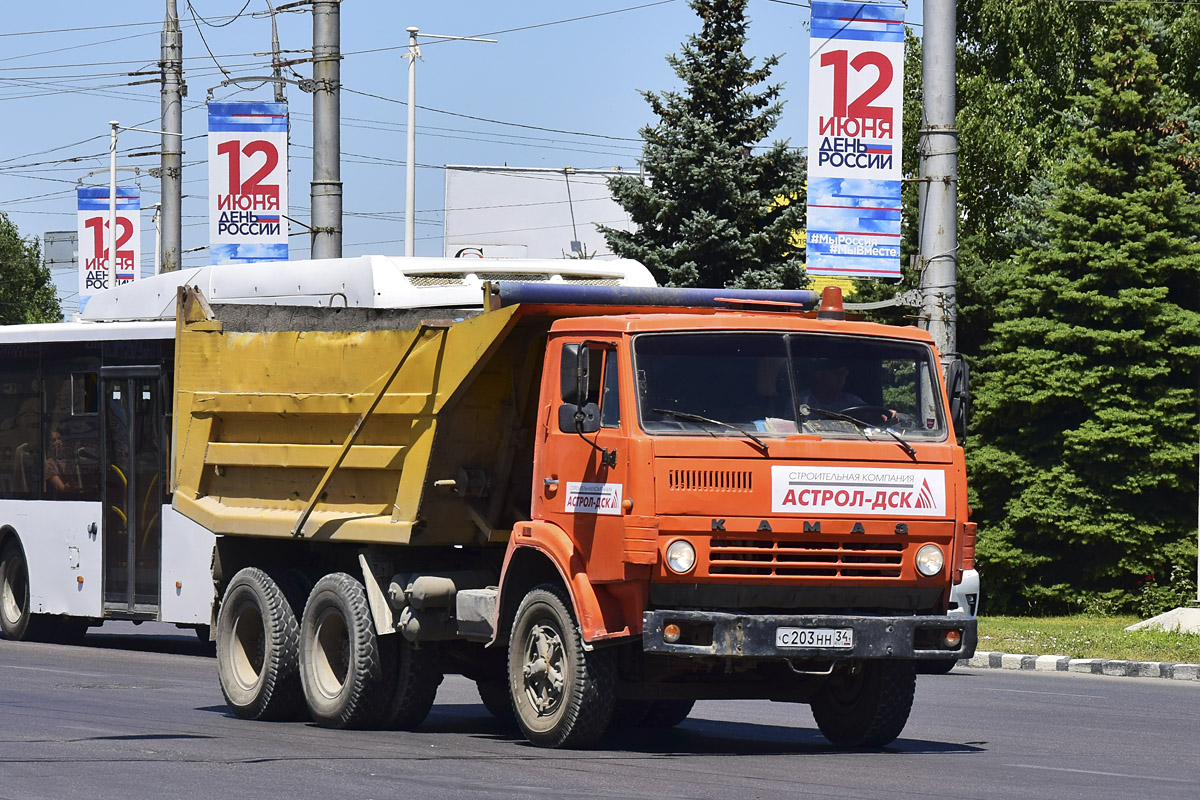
x: 604, y: 611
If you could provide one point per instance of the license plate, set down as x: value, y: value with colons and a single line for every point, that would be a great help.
x: 838, y: 638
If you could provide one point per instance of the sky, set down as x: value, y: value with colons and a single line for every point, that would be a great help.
x: 560, y: 87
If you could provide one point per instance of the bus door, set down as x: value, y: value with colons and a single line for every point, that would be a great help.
x: 135, y: 448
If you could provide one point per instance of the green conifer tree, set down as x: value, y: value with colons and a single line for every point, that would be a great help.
x: 1087, y: 393
x: 716, y: 213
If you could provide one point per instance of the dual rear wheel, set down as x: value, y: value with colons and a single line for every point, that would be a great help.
x: 283, y: 651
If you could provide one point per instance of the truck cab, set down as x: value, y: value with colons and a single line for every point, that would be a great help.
x: 776, y: 492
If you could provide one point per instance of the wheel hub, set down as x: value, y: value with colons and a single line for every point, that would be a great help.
x: 544, y: 670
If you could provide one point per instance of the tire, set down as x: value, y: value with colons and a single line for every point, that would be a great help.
x: 418, y: 673
x: 936, y: 666
x: 629, y: 714
x: 15, y: 617
x: 258, y: 649
x: 561, y: 694
x: 867, y: 706
x: 496, y: 699
x: 347, y: 683
x: 651, y: 714
x: 663, y: 714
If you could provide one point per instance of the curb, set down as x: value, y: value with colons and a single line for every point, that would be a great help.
x: 985, y: 659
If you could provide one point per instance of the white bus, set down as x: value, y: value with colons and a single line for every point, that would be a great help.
x: 87, y: 532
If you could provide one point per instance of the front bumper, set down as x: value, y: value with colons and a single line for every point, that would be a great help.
x: 726, y: 635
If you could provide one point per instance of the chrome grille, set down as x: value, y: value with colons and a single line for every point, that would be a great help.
x: 805, y: 559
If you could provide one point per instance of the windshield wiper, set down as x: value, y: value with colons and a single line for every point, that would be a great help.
x: 862, y: 427
x: 698, y: 418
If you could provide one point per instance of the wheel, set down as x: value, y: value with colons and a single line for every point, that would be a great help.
x: 347, y: 683
x: 258, y: 649
x: 936, y: 666
x: 496, y: 699
x: 629, y: 713
x: 866, y: 706
x: 562, y: 695
x: 664, y: 714
x: 14, y: 592
x: 417, y: 674
x: 650, y: 714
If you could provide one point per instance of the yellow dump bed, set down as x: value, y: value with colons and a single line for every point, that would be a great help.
x: 355, y: 425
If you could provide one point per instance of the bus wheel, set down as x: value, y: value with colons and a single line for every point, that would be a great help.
x: 347, y: 683
x: 562, y: 695
x: 418, y: 674
x: 867, y: 706
x: 14, y: 592
x: 258, y: 649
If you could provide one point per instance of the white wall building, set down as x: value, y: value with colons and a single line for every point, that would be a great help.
x: 523, y: 212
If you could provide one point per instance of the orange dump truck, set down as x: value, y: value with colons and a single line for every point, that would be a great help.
x: 599, y: 503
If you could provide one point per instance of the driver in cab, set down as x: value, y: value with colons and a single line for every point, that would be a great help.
x: 828, y: 393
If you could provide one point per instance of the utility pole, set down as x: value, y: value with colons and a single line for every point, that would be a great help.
x: 112, y: 199
x: 410, y: 168
x: 171, y: 165
x: 326, y: 191
x: 276, y: 59
x: 938, y: 147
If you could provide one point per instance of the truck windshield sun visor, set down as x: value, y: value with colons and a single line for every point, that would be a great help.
x: 775, y: 384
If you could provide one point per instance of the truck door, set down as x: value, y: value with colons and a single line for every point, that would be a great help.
x: 583, y: 476
x: 134, y: 452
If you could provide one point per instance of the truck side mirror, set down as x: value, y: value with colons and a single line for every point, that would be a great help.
x: 576, y: 414
x: 574, y: 373
x: 958, y: 389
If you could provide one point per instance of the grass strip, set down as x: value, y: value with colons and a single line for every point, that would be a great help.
x: 1085, y: 637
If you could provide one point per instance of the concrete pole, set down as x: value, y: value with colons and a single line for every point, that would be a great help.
x: 939, y: 178
x: 326, y: 184
x: 111, y: 261
x: 410, y: 168
x: 276, y: 59
x: 171, y: 171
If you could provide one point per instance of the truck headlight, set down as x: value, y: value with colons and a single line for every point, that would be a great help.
x: 681, y: 556
x: 930, y: 560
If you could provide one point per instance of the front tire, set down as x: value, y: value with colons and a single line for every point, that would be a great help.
x: 561, y: 694
x: 866, y: 706
x: 258, y: 649
x: 347, y: 682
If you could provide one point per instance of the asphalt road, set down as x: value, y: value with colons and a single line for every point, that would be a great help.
x: 141, y: 716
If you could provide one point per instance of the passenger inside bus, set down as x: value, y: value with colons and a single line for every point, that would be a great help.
x: 62, y: 471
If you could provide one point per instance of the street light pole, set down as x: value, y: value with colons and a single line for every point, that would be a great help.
x: 111, y: 261
x: 410, y: 167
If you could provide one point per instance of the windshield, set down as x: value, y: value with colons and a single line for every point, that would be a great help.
x: 775, y: 384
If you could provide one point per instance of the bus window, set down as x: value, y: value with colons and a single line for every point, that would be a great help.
x: 20, y: 423
x: 72, y: 462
